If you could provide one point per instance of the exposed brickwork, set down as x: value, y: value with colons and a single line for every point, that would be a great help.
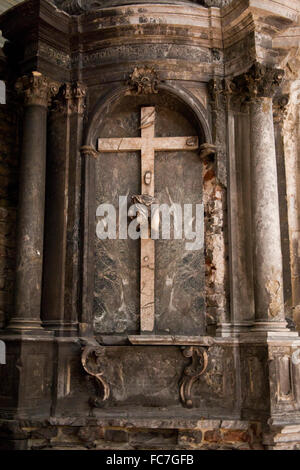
x: 9, y: 151
x: 234, y: 435
x: 215, y: 262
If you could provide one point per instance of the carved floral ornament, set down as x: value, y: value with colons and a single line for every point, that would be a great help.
x: 143, y: 81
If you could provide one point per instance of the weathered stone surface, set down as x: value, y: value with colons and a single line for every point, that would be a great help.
x: 114, y: 435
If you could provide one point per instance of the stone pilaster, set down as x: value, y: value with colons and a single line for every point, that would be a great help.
x: 37, y: 91
x: 259, y: 84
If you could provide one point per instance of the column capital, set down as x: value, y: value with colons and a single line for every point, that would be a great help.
x: 260, y: 81
x: 36, y: 89
x: 70, y: 99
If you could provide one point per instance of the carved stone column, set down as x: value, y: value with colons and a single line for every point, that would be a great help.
x: 37, y: 90
x: 259, y: 83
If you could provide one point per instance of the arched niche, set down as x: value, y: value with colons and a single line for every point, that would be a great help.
x: 111, y: 290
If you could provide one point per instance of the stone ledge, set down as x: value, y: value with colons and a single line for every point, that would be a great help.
x: 171, y: 340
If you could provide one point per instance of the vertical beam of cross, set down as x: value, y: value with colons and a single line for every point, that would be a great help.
x: 147, y: 144
x: 147, y: 275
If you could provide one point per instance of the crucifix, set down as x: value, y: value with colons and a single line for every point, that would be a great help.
x: 147, y: 144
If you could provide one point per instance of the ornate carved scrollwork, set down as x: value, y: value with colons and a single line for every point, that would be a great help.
x: 92, y: 359
x: 143, y: 81
x: 192, y: 372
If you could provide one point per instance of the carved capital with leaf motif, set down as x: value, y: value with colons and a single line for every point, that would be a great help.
x: 70, y: 99
x: 260, y: 81
x: 36, y: 89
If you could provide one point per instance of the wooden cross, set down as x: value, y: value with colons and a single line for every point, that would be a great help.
x: 147, y: 144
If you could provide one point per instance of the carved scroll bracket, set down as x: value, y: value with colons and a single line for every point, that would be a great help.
x: 197, y: 367
x: 92, y: 359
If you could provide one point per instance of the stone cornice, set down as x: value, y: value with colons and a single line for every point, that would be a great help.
x: 37, y: 90
x: 187, y: 40
x: 77, y: 7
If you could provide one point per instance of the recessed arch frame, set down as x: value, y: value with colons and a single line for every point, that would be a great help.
x: 99, y: 112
